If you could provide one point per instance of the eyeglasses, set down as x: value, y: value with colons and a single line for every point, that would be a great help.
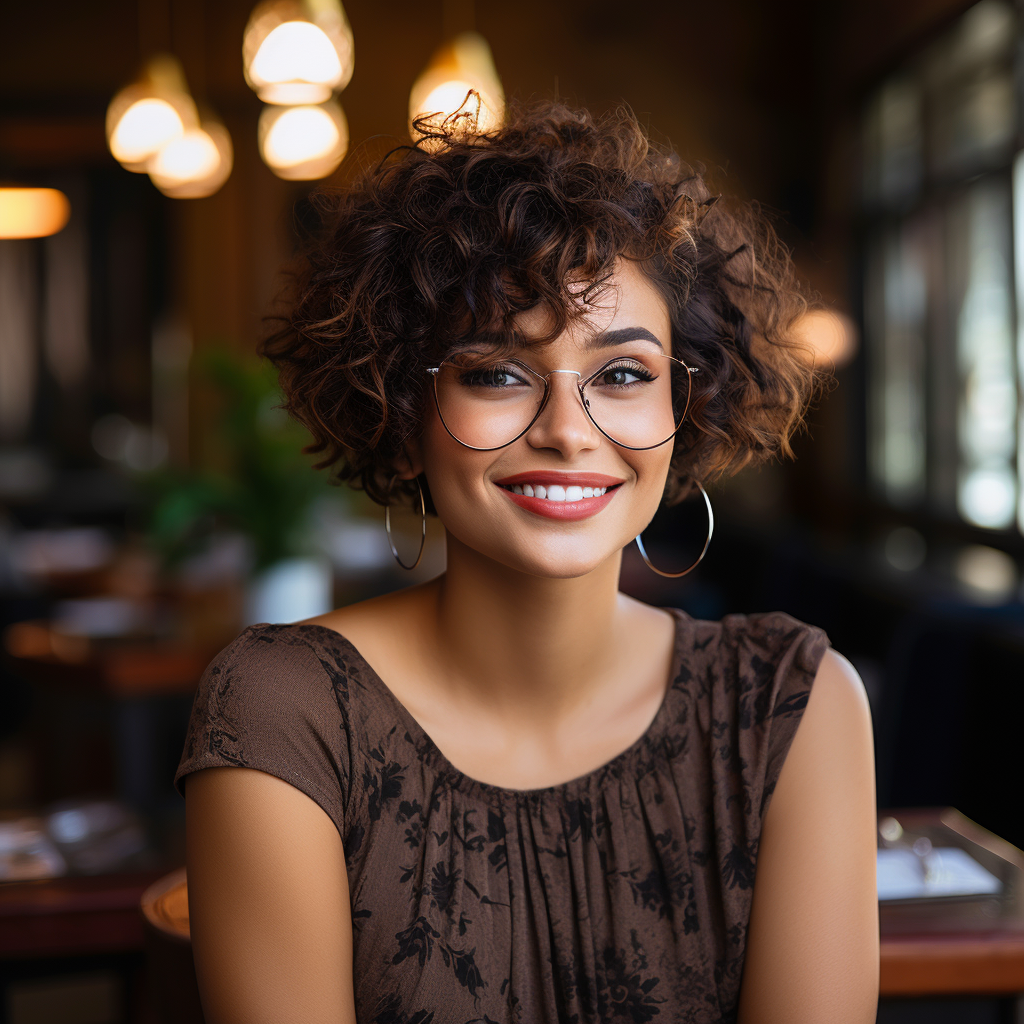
x: 637, y: 401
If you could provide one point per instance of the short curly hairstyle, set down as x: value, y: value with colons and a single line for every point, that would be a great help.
x: 463, y: 232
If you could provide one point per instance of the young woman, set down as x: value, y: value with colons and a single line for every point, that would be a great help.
x: 514, y: 794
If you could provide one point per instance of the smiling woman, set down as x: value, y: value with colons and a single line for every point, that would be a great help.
x: 514, y: 794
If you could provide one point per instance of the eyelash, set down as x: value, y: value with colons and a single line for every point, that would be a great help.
x: 475, y: 376
x: 638, y: 369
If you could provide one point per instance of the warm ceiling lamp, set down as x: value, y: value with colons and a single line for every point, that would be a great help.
x: 460, y: 85
x: 297, y: 51
x: 32, y: 212
x: 305, y: 142
x: 827, y: 337
x: 143, y: 117
x: 195, y: 164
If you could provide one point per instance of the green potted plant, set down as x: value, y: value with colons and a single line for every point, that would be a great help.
x: 265, y: 489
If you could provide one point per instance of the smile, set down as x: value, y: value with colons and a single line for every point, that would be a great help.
x: 557, y: 495
x: 555, y: 492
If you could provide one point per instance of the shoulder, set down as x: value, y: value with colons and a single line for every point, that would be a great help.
x: 764, y: 663
x: 287, y: 651
x: 273, y: 672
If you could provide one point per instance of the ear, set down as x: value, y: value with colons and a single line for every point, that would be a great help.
x: 409, y: 464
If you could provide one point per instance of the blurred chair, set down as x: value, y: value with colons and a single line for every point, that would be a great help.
x: 171, y: 971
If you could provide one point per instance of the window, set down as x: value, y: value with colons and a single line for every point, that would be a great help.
x: 944, y: 217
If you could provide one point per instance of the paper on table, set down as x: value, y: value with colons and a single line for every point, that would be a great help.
x: 952, y: 872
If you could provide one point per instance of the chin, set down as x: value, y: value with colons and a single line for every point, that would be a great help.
x: 555, y: 565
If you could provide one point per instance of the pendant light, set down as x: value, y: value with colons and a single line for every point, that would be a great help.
x: 302, y: 143
x: 148, y: 114
x: 196, y: 163
x: 298, y: 52
x: 32, y: 212
x: 460, y: 85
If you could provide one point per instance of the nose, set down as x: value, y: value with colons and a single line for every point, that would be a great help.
x: 563, y: 423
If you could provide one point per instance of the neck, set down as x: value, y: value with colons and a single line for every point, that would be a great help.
x: 524, y: 646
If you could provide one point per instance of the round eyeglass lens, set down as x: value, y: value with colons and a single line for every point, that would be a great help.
x: 637, y: 401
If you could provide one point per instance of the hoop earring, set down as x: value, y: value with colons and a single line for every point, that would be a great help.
x: 387, y: 526
x: 711, y: 530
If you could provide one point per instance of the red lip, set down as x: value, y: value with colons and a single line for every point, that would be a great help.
x: 564, y: 510
x: 550, y: 476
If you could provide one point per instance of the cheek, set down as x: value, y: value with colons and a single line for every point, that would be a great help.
x: 451, y: 468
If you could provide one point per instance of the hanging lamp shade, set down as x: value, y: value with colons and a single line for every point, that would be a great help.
x: 32, y: 212
x: 461, y: 86
x: 143, y: 117
x: 298, y: 52
x: 304, y: 142
x: 196, y: 163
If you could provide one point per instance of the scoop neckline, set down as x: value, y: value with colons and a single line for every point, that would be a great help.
x: 429, y: 751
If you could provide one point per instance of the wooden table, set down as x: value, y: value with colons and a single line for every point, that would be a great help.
x: 957, y: 946
x: 73, y: 916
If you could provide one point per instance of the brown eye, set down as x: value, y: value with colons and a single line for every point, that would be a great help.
x: 624, y: 376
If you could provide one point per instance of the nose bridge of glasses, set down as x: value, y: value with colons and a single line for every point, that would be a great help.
x: 545, y: 409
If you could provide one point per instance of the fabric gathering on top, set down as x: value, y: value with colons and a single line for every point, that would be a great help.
x: 621, y: 895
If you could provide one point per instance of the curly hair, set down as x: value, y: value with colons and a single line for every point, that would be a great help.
x: 464, y: 232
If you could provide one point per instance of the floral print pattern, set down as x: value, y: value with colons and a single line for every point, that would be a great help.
x: 620, y: 896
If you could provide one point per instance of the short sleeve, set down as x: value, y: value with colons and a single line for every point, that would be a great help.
x: 266, y: 702
x: 797, y: 653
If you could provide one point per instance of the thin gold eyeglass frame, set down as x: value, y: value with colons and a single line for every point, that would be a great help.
x: 580, y: 386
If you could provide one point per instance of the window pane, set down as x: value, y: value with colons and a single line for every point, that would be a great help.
x: 897, y: 296
x: 971, y: 84
x: 893, y: 143
x: 1018, y: 260
x: 988, y: 405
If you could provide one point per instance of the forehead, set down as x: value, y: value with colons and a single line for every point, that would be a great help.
x: 626, y: 299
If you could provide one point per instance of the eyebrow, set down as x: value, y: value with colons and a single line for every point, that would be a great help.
x: 607, y: 339
x: 623, y: 334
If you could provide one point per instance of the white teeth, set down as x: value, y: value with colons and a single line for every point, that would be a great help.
x: 556, y: 492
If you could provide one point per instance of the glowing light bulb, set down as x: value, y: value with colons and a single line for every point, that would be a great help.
x: 32, y: 212
x: 828, y: 338
x: 195, y: 164
x: 192, y: 155
x: 304, y: 142
x: 297, y: 52
x: 146, y: 115
x: 146, y: 126
x: 460, y: 89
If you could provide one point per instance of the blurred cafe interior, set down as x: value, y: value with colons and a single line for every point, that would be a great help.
x: 157, y: 163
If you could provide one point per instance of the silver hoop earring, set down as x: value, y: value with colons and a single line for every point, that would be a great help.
x: 711, y: 530
x: 387, y: 526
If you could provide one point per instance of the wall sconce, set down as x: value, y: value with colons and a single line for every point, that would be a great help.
x: 32, y: 212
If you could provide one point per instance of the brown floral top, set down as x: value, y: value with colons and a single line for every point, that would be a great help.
x: 622, y: 895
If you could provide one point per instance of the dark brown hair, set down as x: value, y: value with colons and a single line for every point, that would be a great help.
x: 463, y: 233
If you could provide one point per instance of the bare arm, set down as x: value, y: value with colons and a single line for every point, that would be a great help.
x: 268, y: 902
x: 812, y: 947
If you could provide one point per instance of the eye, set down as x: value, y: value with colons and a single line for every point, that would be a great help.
x: 497, y: 377
x: 624, y: 375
